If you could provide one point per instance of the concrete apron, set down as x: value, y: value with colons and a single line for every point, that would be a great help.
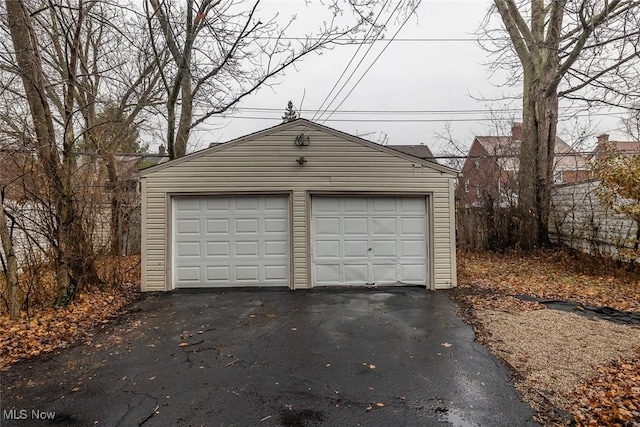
x: 384, y: 357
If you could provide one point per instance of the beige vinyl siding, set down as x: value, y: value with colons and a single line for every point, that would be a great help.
x: 266, y: 163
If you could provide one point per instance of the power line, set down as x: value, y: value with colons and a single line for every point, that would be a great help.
x: 460, y: 111
x: 376, y: 59
x: 425, y: 120
x: 351, y: 61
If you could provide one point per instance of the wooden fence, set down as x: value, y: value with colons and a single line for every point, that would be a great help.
x: 580, y: 221
x: 479, y: 229
x: 577, y: 219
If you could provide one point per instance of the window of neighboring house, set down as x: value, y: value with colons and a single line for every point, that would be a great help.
x: 557, y: 176
x: 478, y: 192
x: 476, y: 164
x: 466, y: 185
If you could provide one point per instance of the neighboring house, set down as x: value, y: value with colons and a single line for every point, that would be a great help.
x: 420, y: 151
x: 298, y: 205
x: 489, y: 174
x: 628, y: 148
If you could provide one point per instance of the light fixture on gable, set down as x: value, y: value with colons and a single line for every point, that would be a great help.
x: 302, y: 140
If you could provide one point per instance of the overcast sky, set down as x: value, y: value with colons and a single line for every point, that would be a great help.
x: 433, y: 68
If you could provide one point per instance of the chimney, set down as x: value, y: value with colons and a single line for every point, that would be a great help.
x: 162, y: 150
x: 516, y: 131
x: 603, y: 138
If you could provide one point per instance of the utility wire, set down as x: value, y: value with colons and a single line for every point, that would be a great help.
x: 461, y: 111
x: 425, y: 120
x: 375, y: 60
x: 352, y: 59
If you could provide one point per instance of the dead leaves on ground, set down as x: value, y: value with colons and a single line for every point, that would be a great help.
x: 492, y: 281
x: 612, y: 397
x: 548, y: 275
x: 51, y: 329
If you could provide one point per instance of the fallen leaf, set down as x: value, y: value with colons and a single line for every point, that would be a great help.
x: 446, y: 344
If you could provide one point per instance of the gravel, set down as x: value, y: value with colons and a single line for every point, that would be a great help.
x: 555, y: 351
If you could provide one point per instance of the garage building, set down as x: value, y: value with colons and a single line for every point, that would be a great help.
x: 298, y: 205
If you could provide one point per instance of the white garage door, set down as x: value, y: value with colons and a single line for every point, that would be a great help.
x: 230, y: 241
x: 369, y: 240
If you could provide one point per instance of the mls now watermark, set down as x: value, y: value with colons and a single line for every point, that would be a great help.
x: 27, y: 414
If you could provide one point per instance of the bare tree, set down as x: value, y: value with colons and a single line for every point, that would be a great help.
x: 631, y: 123
x: 9, y: 260
x: 223, y: 51
x: 77, y: 66
x: 582, y: 50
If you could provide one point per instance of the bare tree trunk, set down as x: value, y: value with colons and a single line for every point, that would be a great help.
x: 116, y: 204
x: 186, y: 116
x: 11, y: 273
x: 535, y: 175
x: 73, y: 268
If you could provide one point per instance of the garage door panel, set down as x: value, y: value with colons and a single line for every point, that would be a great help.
x: 355, y: 273
x: 218, y: 226
x: 412, y: 205
x: 189, y: 274
x: 190, y: 205
x: 246, y: 226
x: 326, y: 204
x: 217, y: 204
x: 275, y: 225
x: 218, y: 274
x: 327, y: 248
x: 188, y: 226
x: 247, y: 273
x: 278, y: 248
x: 384, y: 205
x: 356, y: 226
x: 276, y: 272
x: 413, y: 226
x: 385, y: 248
x: 361, y: 240
x: 385, y: 272
x: 356, y: 205
x: 413, y: 248
x: 327, y: 273
x: 384, y: 226
x: 240, y: 241
x: 218, y: 249
x: 356, y: 248
x: 327, y: 226
x: 188, y: 249
x: 247, y: 249
x: 246, y: 204
x: 413, y: 273
x: 276, y: 204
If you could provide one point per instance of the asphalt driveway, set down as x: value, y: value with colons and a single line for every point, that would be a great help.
x: 271, y: 358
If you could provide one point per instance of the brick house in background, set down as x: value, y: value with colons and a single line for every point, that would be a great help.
x: 489, y: 174
x: 628, y: 148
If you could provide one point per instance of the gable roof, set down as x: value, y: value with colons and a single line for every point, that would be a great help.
x: 509, y: 148
x: 421, y: 151
x: 628, y: 148
x: 312, y: 127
